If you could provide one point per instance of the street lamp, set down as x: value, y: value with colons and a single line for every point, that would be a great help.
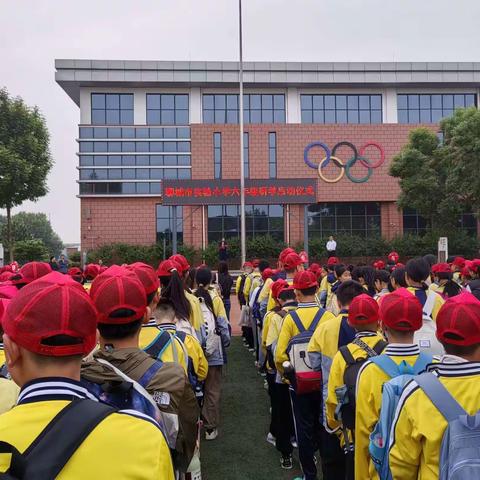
x: 242, y: 170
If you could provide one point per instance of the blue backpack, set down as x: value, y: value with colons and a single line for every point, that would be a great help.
x: 400, y: 375
x: 460, y: 450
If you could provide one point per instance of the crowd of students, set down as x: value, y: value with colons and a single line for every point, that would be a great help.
x: 376, y: 368
x: 109, y: 372
x: 113, y: 372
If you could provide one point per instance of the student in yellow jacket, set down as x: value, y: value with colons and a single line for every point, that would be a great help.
x: 419, y: 427
x: 49, y: 327
x: 400, y: 316
x: 252, y: 281
x: 306, y: 406
x: 336, y: 333
x: 292, y: 264
x: 363, y: 317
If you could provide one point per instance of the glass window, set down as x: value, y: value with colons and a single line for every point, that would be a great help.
x: 165, y: 220
x: 416, y: 224
x: 224, y: 221
x: 112, y: 108
x: 86, y: 132
x: 217, y: 154
x: 167, y: 109
x: 341, y: 108
x: 258, y: 108
x: 272, y: 155
x: 363, y: 219
x: 431, y: 108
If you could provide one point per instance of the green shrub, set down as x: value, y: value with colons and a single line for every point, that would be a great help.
x: 30, y: 250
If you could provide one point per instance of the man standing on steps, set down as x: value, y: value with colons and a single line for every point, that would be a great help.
x: 331, y: 247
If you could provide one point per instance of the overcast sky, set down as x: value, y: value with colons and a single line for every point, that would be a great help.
x: 35, y: 32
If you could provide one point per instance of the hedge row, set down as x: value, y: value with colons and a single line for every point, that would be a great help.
x: 267, y: 247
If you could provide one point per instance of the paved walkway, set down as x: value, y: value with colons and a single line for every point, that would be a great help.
x: 241, y: 452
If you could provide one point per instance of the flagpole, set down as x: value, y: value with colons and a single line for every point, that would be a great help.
x: 242, y: 168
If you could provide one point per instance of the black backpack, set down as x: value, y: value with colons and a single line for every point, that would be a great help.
x: 346, y: 406
x: 45, y: 458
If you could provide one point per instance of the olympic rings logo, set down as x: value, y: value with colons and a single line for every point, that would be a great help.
x: 357, y: 156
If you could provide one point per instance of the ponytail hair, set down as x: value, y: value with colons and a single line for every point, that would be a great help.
x: 172, y: 289
x: 203, y: 278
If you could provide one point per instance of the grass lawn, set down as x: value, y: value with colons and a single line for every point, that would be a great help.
x: 241, y: 452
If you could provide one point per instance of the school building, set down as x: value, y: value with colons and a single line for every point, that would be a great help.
x: 159, y: 142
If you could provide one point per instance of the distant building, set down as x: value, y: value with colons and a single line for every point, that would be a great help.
x: 159, y: 146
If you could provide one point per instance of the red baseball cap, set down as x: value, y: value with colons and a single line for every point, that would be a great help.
x: 181, y: 261
x: 5, y: 276
x: 393, y: 257
x: 92, y: 270
x: 166, y: 268
x: 379, y: 265
x: 284, y: 253
x: 255, y: 263
x: 8, y: 291
x: 291, y: 261
x: 401, y: 310
x: 115, y: 289
x: 248, y: 265
x: 32, y: 271
x: 458, y: 321
x: 304, y: 280
x: 268, y: 273
x: 459, y: 262
x: 147, y: 276
x: 441, y: 268
x: 333, y: 261
x: 278, y: 286
x: 3, y: 306
x: 363, y: 310
x: 52, y: 305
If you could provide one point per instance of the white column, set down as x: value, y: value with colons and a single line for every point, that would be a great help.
x: 390, y: 106
x: 195, y: 105
x: 293, y: 106
x: 85, y: 107
x: 139, y: 107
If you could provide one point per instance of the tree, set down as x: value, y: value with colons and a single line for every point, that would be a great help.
x: 31, y: 226
x: 422, y: 167
x: 30, y: 250
x: 25, y: 159
x: 462, y: 153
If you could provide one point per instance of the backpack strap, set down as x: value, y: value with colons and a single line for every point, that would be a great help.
x: 158, y: 345
x: 146, y: 378
x: 386, y: 364
x: 52, y: 449
x: 440, y: 396
x: 421, y: 362
x: 181, y: 335
x: 316, y: 320
x: 371, y: 352
x: 297, y: 321
x: 380, y: 346
x: 347, y: 355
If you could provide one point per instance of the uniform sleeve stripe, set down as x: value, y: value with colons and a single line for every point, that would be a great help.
x: 409, y: 389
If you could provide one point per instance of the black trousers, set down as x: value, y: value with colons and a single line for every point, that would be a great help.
x: 285, y: 428
x: 249, y: 337
x: 332, y: 253
x: 312, y: 436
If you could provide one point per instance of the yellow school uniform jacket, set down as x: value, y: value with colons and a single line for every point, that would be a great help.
x: 325, y: 343
x: 251, y: 283
x: 265, y: 292
x: 337, y: 372
x: 218, y: 306
x: 123, y: 446
x: 174, y: 352
x: 437, y: 304
x: 191, y: 347
x: 419, y: 427
x: 369, y: 401
x: 306, y: 312
x: 237, y: 283
x: 2, y: 355
x: 196, y: 317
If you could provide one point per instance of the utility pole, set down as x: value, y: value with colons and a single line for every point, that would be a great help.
x: 243, y: 241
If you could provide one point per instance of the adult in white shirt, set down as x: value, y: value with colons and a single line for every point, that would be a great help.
x: 331, y: 247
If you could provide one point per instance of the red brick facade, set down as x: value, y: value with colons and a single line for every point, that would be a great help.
x: 132, y: 220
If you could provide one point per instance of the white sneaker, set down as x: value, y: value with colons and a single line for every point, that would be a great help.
x: 211, y: 434
x: 271, y: 439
